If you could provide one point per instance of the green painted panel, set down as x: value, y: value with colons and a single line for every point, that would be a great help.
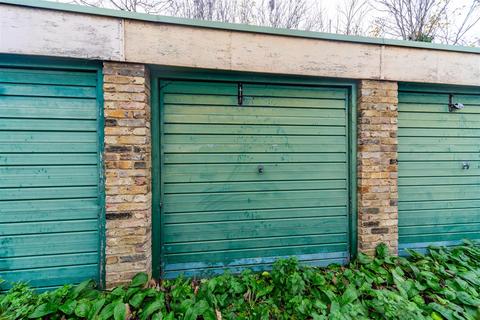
x: 46, y: 176
x: 445, y: 116
x: 439, y: 200
x: 249, y: 229
x: 440, y: 156
x: 405, y: 205
x: 246, y: 148
x: 38, y: 90
x: 254, y: 120
x: 264, y: 111
x: 49, y: 261
x: 279, y: 102
x: 48, y: 125
x: 432, y: 181
x: 52, y: 77
x: 179, y: 188
x: 439, y: 133
x: 422, y: 97
x: 50, y: 205
x: 198, y: 87
x: 47, y: 108
x: 231, y: 256
x: 56, y: 210
x: 256, y: 242
x: 439, y: 217
x: 48, y: 137
x: 44, y: 244
x: 218, y: 210
x: 258, y: 200
x: 17, y: 159
x: 52, y: 277
x: 449, y: 192
x: 315, y: 92
x: 173, y: 158
x: 47, y: 147
x: 48, y: 227
x: 262, y: 140
x: 249, y: 172
x: 253, y: 129
x: 435, y: 108
x: 254, y: 214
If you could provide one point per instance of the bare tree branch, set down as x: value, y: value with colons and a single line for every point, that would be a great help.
x: 413, y: 19
x: 421, y: 20
x: 352, y: 14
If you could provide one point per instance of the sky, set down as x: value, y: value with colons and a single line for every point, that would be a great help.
x: 330, y: 7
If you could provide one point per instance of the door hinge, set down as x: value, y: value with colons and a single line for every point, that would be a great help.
x: 240, y: 94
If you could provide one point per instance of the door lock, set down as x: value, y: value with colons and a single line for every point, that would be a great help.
x: 466, y: 165
x: 260, y: 169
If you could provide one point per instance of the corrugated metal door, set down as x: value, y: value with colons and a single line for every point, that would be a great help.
x: 49, y: 197
x: 247, y: 181
x: 439, y: 166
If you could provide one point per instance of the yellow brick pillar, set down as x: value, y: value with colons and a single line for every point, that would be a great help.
x: 377, y: 165
x: 127, y: 161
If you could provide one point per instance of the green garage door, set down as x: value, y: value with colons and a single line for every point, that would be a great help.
x: 49, y: 197
x: 439, y: 166
x: 252, y: 173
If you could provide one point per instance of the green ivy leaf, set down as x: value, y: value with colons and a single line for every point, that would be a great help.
x: 151, y: 308
x: 81, y: 288
x: 467, y: 299
x: 82, y: 309
x: 68, y: 307
x: 349, y: 296
x: 139, y: 280
x: 43, y: 310
x: 120, y: 311
x: 137, y: 299
x: 96, y: 307
x: 382, y: 251
x: 107, y: 311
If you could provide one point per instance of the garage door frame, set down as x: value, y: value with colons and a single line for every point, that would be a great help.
x: 50, y: 63
x: 163, y: 73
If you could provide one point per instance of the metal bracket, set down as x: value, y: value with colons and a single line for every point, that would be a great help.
x: 240, y: 94
x: 454, y: 106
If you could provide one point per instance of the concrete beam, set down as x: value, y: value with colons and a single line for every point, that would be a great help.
x: 36, y: 31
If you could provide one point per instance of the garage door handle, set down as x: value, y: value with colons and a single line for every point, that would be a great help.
x: 466, y: 166
x: 260, y: 169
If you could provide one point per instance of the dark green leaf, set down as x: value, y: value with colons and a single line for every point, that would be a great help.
x: 82, y: 309
x: 139, y: 280
x: 120, y: 311
x: 68, y: 307
x: 151, y: 308
x: 43, y: 310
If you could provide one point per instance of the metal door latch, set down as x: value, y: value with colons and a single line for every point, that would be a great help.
x: 465, y: 165
x: 260, y: 169
x: 240, y: 94
x: 454, y: 106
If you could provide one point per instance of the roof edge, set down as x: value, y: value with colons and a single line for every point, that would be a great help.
x: 49, y: 5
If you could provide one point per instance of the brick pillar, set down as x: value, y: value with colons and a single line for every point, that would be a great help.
x: 127, y: 169
x: 377, y: 165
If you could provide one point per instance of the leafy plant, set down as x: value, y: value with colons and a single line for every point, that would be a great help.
x: 443, y: 284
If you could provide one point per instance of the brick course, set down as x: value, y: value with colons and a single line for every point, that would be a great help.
x: 377, y: 165
x: 127, y: 160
